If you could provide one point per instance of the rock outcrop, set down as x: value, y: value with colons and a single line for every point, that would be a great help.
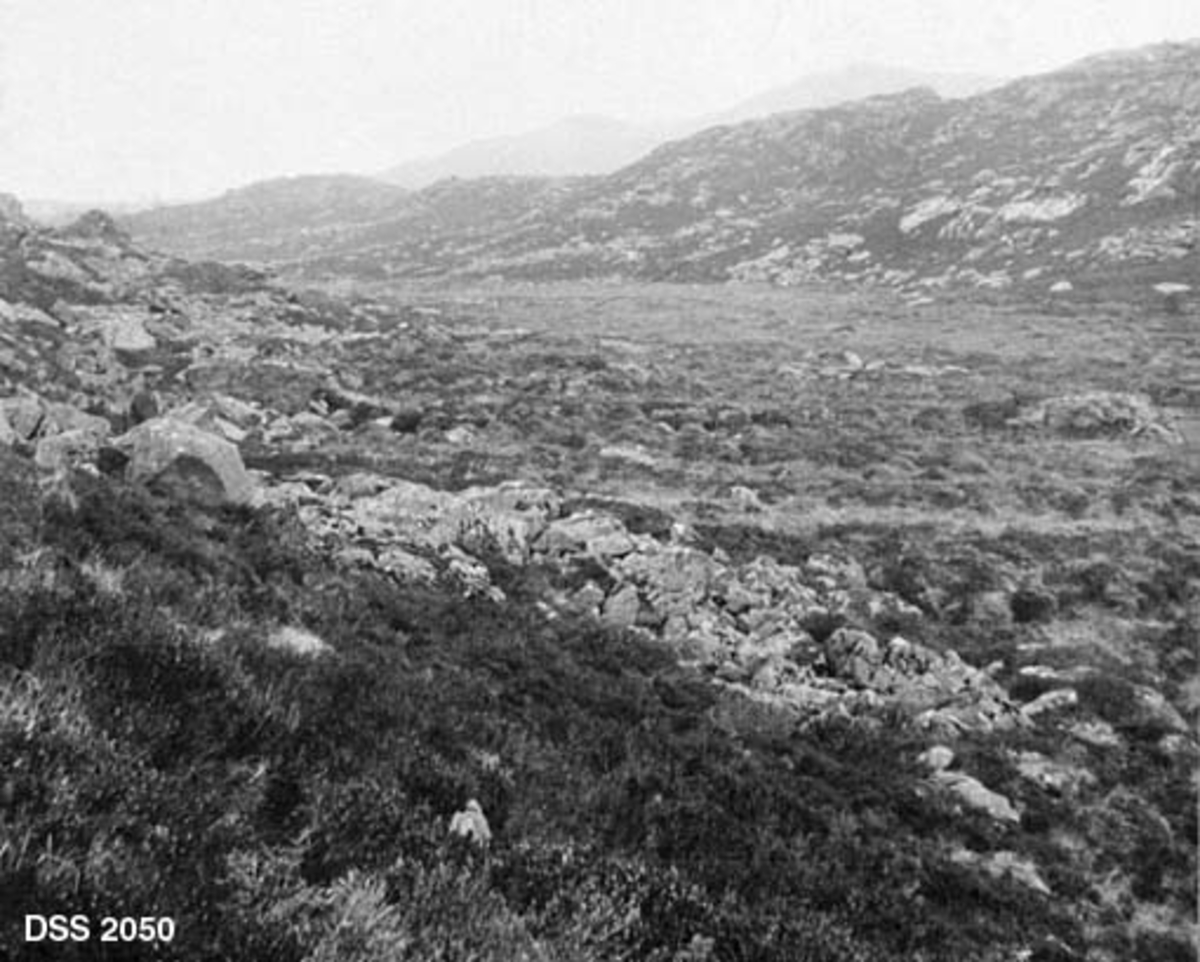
x: 190, y: 463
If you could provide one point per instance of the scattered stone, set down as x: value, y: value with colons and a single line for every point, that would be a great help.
x: 24, y: 415
x: 1153, y: 712
x: 992, y: 609
x: 60, y: 452
x: 976, y: 795
x: 746, y: 499
x: 1004, y: 864
x: 299, y: 641
x: 1059, y: 699
x: 1098, y: 733
x: 461, y: 435
x: 472, y: 825
x: 853, y: 655
x: 937, y: 759
x: 621, y: 608
x: 1054, y: 776
x: 588, y: 533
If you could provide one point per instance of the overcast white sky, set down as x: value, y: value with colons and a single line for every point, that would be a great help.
x: 105, y: 100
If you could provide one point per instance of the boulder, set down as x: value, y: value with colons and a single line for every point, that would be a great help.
x: 299, y: 641
x: 240, y: 412
x: 472, y: 825
x: 1098, y: 733
x: 1153, y: 713
x: 1004, y: 865
x: 853, y: 655
x: 937, y: 759
x: 974, y: 794
x: 23, y: 414
x: 1058, y: 777
x: 60, y: 418
x: 188, y: 461
x: 59, y: 452
x: 589, y: 533
x: 621, y: 608
x: 991, y: 609
x: 1057, y: 699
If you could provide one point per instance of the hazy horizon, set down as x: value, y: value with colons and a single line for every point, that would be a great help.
x: 175, y: 100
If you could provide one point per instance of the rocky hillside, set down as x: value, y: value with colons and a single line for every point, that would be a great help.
x: 285, y: 219
x: 581, y: 145
x: 1046, y: 181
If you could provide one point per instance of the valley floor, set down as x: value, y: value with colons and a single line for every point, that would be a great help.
x: 743, y: 763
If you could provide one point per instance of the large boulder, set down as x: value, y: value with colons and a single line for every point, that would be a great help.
x: 23, y: 414
x: 974, y: 794
x: 591, y: 533
x: 67, y: 449
x: 189, y: 462
x: 30, y: 417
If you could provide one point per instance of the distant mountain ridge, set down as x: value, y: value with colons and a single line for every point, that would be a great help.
x: 1091, y: 168
x: 593, y: 144
x: 572, y: 146
x: 856, y: 82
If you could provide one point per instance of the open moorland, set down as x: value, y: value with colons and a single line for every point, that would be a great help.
x: 790, y: 542
x: 763, y: 623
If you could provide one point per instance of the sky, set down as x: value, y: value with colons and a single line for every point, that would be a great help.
x: 137, y: 100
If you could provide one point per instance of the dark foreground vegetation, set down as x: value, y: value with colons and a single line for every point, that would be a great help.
x: 159, y: 759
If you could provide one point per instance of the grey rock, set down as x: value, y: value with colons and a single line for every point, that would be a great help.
x: 192, y: 463
x: 1004, y: 864
x: 937, y: 758
x: 588, y: 533
x: 973, y: 793
x: 59, y: 452
x: 1058, y: 699
x: 24, y: 415
x: 1059, y: 777
x: 621, y: 608
x: 853, y: 654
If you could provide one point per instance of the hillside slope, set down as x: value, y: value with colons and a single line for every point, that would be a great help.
x: 1089, y: 169
x: 588, y: 144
